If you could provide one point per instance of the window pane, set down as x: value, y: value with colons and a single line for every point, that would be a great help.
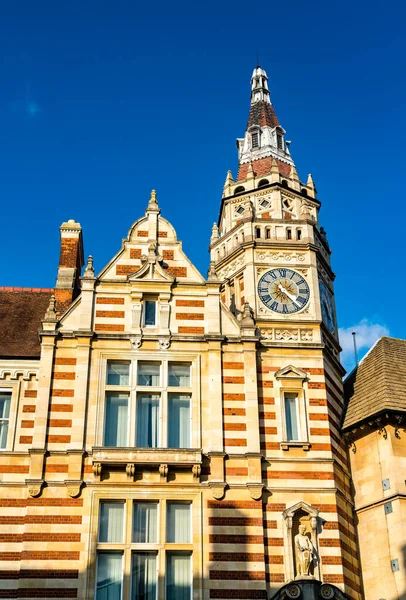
x: 149, y: 373
x: 149, y: 313
x: 178, y: 576
x: 111, y: 522
x: 118, y: 373
x: 179, y: 374
x: 3, y: 434
x: 144, y: 576
x: 5, y: 401
x: 292, y: 425
x: 178, y: 523
x: 145, y: 523
x: 147, y: 420
x: 109, y: 575
x: 178, y: 421
x: 116, y: 424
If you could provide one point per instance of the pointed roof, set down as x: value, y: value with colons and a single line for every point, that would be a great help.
x: 378, y: 383
x: 262, y: 113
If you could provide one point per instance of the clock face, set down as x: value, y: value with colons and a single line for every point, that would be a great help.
x: 283, y: 291
x: 327, y: 310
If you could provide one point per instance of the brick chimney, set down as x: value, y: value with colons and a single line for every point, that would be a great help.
x: 70, y: 264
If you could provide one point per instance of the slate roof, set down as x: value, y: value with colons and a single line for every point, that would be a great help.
x: 21, y: 312
x: 378, y: 383
x: 262, y: 113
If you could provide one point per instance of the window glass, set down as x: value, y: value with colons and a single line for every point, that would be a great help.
x: 149, y: 313
x: 148, y: 420
x: 143, y: 576
x: 255, y: 141
x: 148, y: 373
x: 179, y: 374
x: 118, y: 373
x: 291, y: 416
x: 178, y: 421
x: 116, y: 423
x: 5, y: 401
x: 178, y: 576
x: 111, y: 522
x: 178, y: 523
x: 145, y: 517
x: 109, y: 576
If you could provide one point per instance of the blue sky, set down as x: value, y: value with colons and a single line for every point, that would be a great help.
x: 101, y: 102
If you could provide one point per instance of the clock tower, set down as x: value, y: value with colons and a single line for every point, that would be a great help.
x: 268, y: 248
x: 272, y: 260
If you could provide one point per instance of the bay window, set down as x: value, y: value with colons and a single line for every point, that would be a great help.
x: 148, y: 404
x: 149, y: 539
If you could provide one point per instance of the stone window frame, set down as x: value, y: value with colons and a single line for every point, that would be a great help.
x: 195, y: 498
x: 164, y: 358
x: 13, y: 387
x: 292, y: 380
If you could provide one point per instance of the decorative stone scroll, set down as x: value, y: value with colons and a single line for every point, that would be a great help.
x: 34, y: 487
x: 135, y: 341
x: 218, y: 489
x: 97, y: 469
x: 255, y: 490
x: 130, y: 470
x: 163, y: 472
x: 196, y: 471
x: 73, y: 487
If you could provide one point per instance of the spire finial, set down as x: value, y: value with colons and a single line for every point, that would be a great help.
x: 89, y: 271
x: 50, y: 314
x: 153, y: 203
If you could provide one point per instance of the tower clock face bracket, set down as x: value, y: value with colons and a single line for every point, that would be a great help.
x: 283, y: 291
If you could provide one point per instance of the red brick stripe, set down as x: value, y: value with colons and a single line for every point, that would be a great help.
x: 235, y: 427
x: 234, y: 504
x: 196, y: 330
x: 300, y: 475
x: 63, y: 393
x: 54, y: 468
x: 177, y: 271
x: 235, y: 521
x: 230, y: 412
x: 101, y: 300
x: 61, y: 407
x: 58, y: 439
x: 41, y: 519
x: 11, y: 538
x: 25, y: 439
x: 234, y: 397
x: 234, y: 471
x: 30, y: 394
x: 14, y: 469
x: 59, y: 423
x: 235, y: 442
x: 189, y: 316
x: 237, y: 575
x: 190, y: 303
x: 29, y: 408
x: 239, y: 594
x: 235, y: 557
x: 108, y: 327
x: 17, y: 502
x: 234, y: 380
x: 65, y: 361
x: 233, y: 365
x: 64, y: 375
x: 110, y: 314
x: 136, y: 253
x: 40, y: 555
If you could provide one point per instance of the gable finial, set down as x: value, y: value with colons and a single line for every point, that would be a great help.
x: 50, y: 314
x: 153, y: 203
x: 89, y: 271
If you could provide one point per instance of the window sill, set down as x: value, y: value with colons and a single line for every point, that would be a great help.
x: 287, y: 445
x: 155, y: 456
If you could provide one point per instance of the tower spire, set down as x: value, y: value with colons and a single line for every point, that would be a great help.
x: 264, y: 137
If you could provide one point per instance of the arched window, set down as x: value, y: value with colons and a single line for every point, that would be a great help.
x: 235, y: 242
x: 255, y: 139
x: 304, y: 192
x: 242, y: 237
x: 298, y: 234
x: 268, y: 233
x: 288, y: 234
x: 284, y: 183
x: 257, y: 232
x: 239, y: 189
x: 263, y: 183
x: 218, y: 255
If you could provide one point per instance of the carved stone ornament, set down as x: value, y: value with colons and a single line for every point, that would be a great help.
x: 327, y: 591
x: 284, y: 256
x: 130, y: 470
x: 255, y: 491
x: 73, y: 487
x: 164, y: 343
x: 135, y: 341
x: 163, y: 472
x: 196, y: 471
x: 293, y: 591
x: 218, y: 490
x: 286, y: 334
x: 306, y: 335
x: 34, y: 487
x: 97, y: 469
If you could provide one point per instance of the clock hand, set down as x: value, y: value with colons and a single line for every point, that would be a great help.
x: 285, y: 291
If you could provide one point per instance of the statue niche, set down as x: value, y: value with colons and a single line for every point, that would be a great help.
x: 303, y: 549
x: 302, y: 556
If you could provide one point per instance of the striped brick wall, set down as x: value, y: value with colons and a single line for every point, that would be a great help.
x: 189, y: 317
x: 110, y: 314
x: 234, y: 410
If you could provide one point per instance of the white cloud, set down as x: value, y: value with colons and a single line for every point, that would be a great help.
x: 366, y: 335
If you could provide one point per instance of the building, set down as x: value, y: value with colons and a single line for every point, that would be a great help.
x: 174, y: 435
x: 374, y: 425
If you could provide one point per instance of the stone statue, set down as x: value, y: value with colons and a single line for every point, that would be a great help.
x: 304, y: 552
